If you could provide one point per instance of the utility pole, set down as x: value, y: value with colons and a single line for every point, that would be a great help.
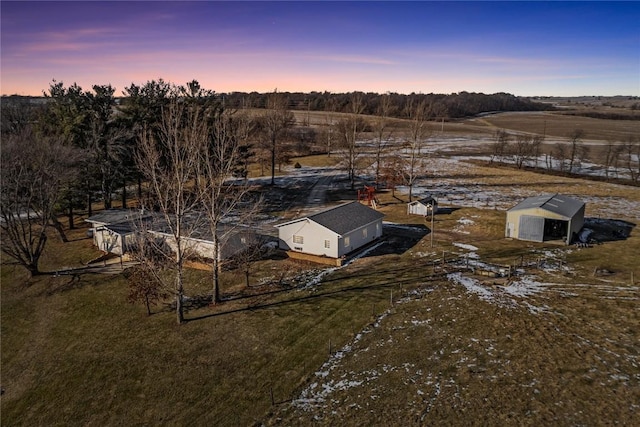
x: 432, y: 223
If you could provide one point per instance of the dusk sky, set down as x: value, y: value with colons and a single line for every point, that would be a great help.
x: 524, y: 48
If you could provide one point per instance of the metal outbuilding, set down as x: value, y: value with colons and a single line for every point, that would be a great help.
x: 544, y: 218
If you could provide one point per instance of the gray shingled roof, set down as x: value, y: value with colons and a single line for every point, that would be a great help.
x: 556, y: 203
x: 114, y: 216
x: 346, y: 217
x: 424, y: 200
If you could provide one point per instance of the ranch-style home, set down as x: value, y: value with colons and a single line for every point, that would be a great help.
x: 112, y: 230
x: 333, y: 232
x: 232, y: 240
x: 544, y: 218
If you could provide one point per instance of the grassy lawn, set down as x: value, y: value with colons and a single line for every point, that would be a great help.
x: 77, y: 353
x: 416, y: 348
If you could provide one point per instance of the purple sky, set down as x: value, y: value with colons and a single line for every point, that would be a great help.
x: 525, y: 48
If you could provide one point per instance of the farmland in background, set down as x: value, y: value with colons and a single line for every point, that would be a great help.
x: 407, y: 333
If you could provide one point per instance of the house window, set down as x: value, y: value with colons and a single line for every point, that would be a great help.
x: 346, y: 241
x: 327, y: 244
x: 299, y: 240
x: 364, y: 233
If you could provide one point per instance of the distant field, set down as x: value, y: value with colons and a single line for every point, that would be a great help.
x: 556, y: 125
x: 559, y: 125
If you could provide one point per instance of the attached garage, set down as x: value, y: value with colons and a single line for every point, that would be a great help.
x: 545, y: 218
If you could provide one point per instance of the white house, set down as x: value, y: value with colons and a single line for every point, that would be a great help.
x: 542, y: 218
x: 232, y: 240
x: 115, y: 230
x: 112, y: 229
x: 333, y: 232
x: 423, y: 207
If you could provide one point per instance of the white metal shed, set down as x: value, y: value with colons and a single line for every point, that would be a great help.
x: 543, y: 218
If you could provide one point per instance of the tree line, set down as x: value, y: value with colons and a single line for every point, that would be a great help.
x: 442, y: 106
x: 526, y: 150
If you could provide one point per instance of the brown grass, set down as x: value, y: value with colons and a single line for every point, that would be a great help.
x: 74, y: 351
x: 559, y: 125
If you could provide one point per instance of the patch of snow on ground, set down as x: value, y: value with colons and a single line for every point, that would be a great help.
x: 525, y: 286
x: 312, y: 396
x: 465, y: 246
x: 317, y: 276
x: 512, y: 295
x: 463, y: 222
x: 471, y: 285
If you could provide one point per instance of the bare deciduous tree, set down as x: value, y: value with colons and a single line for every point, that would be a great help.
x: 416, y: 142
x: 500, y: 146
x: 349, y: 130
x: 329, y: 133
x: 381, y: 130
x: 577, y: 150
x: 34, y: 171
x: 391, y: 173
x: 561, y: 153
x: 220, y: 196
x: 254, y: 249
x: 169, y: 160
x: 524, y: 149
x: 612, y: 157
x: 632, y: 157
x: 275, y: 123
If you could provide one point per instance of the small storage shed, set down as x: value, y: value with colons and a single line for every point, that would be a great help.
x: 333, y: 232
x: 423, y: 207
x: 543, y: 218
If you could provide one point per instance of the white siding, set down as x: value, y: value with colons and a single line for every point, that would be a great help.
x: 190, y: 247
x: 418, y: 209
x: 316, y: 238
x: 108, y: 241
x: 313, y: 237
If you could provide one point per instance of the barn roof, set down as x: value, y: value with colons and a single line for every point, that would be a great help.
x: 556, y: 203
x: 344, y: 218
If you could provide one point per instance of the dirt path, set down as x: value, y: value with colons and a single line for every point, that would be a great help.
x: 318, y: 194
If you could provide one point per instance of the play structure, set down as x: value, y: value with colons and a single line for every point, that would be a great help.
x: 368, y: 194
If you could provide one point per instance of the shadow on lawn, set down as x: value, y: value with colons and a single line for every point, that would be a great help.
x: 608, y: 230
x: 344, y: 293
